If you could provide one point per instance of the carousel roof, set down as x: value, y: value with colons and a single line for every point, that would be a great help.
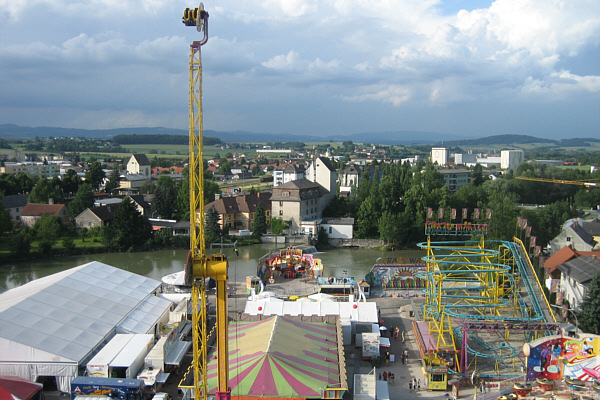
x: 280, y: 358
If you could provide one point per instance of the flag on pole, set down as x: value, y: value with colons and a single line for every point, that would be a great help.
x: 429, y: 213
x: 476, y: 213
x: 537, y: 251
x: 488, y: 214
x: 464, y: 213
x: 528, y: 231
x: 524, y: 223
x: 441, y: 213
x: 532, y: 241
x: 453, y: 214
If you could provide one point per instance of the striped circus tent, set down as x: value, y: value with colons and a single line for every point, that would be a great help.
x: 280, y: 357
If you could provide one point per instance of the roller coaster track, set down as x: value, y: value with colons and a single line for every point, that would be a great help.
x: 470, y: 282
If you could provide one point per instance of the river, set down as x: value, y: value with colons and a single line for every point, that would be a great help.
x: 156, y: 264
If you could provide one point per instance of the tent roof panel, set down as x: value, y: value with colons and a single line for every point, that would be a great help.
x: 69, y: 313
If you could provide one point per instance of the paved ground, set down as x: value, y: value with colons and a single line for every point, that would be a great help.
x: 394, y: 312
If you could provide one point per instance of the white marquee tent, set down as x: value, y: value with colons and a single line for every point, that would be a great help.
x: 53, y: 325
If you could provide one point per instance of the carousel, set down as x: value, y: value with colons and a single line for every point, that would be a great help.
x: 289, y: 263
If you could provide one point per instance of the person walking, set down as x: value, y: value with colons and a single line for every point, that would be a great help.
x: 402, y: 336
x: 396, y: 333
x: 410, y: 387
x: 415, y: 384
x: 387, y: 357
x: 419, y: 384
x: 385, y: 376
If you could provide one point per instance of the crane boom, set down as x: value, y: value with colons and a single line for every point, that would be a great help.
x: 582, y: 183
x: 199, y: 267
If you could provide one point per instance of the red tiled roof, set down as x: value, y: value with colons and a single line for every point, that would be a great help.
x: 240, y: 204
x: 36, y: 210
x: 565, y: 254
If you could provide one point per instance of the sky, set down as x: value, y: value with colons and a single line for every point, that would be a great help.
x: 471, y: 68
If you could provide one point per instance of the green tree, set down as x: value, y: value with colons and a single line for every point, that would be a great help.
x: 84, y: 198
x: 322, y: 238
x: 165, y: 198
x: 113, y: 180
x: 44, y: 190
x: 212, y: 226
x: 70, y: 182
x: 210, y: 189
x: 69, y: 245
x: 590, y: 308
x: 183, y: 200
x: 48, y: 227
x: 128, y: 230
x: 94, y: 175
x: 391, y: 228
x: 5, y: 222
x: 504, y: 211
x: 20, y: 243
x: 259, y: 222
x: 477, y: 175
x: 278, y: 225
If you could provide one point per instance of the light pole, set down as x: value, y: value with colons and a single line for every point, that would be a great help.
x: 572, y: 312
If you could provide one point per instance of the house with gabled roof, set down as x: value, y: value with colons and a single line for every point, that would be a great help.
x: 298, y: 201
x: 237, y: 212
x: 14, y: 204
x: 576, y: 275
x: 575, y: 236
x: 33, y: 212
x: 95, y: 217
x: 139, y: 164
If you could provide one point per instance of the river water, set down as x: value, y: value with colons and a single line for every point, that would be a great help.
x: 156, y: 264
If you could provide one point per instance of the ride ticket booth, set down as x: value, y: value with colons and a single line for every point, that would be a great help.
x: 437, y: 378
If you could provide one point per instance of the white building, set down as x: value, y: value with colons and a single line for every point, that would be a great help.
x: 439, y: 156
x: 510, y: 159
x: 138, y: 164
x: 321, y: 171
x: 465, y: 159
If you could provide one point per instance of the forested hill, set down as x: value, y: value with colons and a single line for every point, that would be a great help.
x: 161, y: 139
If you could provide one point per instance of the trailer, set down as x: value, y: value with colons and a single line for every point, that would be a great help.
x: 98, y: 365
x: 130, y: 360
x: 95, y: 388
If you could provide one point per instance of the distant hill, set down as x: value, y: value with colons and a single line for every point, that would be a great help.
x: 388, y: 138
x: 396, y: 137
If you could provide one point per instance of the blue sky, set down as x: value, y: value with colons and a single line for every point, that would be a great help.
x: 317, y: 67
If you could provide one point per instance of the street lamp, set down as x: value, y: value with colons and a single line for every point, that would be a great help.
x: 572, y: 312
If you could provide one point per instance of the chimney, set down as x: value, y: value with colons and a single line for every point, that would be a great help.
x: 217, y: 196
x: 50, y: 200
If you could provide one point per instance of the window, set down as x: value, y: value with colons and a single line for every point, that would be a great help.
x: 280, y: 212
x: 281, y: 204
x: 568, y: 238
x: 330, y: 229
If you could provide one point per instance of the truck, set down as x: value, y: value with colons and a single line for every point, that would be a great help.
x: 130, y: 360
x: 95, y: 388
x: 98, y: 365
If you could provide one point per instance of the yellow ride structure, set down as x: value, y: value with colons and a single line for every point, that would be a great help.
x: 200, y: 266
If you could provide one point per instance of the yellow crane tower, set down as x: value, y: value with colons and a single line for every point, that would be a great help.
x: 199, y: 267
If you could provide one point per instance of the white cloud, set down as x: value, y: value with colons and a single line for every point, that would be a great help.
x: 329, y: 54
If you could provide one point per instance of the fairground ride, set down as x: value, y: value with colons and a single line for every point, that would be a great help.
x: 199, y: 266
x: 478, y: 294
